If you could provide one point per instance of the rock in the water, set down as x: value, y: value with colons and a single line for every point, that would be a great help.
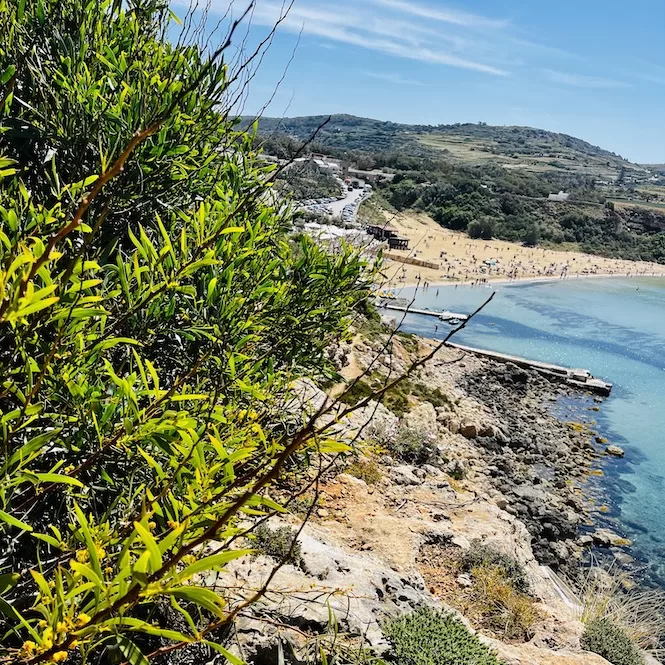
x: 607, y: 538
x: 617, y: 451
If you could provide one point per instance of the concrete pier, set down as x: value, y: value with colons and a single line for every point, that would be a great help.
x: 443, y: 315
x: 580, y: 378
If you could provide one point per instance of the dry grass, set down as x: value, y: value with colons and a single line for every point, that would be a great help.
x: 491, y: 603
x: 505, y: 610
x: 610, y: 593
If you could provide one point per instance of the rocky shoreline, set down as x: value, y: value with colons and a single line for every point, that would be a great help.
x: 534, y: 465
x: 538, y: 462
x: 467, y: 453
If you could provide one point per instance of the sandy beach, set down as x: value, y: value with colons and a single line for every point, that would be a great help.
x: 461, y: 259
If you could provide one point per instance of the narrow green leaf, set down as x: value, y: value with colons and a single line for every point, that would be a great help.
x: 234, y: 660
x: 8, y: 580
x: 206, y: 598
x: 131, y: 652
x: 58, y: 478
x: 150, y: 544
x: 90, y: 543
x: 14, y: 522
x: 213, y: 561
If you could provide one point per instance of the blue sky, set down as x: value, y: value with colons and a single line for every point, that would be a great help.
x: 592, y: 69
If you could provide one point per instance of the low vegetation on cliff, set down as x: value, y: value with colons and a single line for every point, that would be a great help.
x: 153, y: 317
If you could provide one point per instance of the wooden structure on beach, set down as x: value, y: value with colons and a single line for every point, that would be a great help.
x: 389, y: 234
x: 580, y: 378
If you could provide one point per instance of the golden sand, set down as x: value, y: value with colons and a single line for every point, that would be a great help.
x: 462, y: 259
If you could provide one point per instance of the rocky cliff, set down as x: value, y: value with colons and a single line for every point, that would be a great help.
x: 483, y: 466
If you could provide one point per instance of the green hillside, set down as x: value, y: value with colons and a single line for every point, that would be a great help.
x: 494, y: 181
x: 523, y: 148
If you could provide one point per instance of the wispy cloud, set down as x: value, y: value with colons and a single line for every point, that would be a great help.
x: 426, y: 31
x: 651, y: 78
x: 387, y: 34
x: 393, y: 78
x: 582, y: 81
x: 445, y: 15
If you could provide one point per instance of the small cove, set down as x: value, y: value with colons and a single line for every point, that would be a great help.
x: 616, y: 329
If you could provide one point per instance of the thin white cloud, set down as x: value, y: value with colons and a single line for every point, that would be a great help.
x: 393, y: 78
x: 445, y: 15
x: 650, y: 78
x: 426, y: 31
x: 398, y: 38
x: 583, y: 81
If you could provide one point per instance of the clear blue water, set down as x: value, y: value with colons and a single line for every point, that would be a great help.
x: 616, y: 329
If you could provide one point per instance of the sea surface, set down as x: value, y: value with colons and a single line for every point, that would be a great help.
x: 616, y: 329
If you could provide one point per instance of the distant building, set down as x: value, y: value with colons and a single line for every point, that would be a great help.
x: 561, y: 196
x: 317, y: 165
x: 389, y: 234
x: 398, y: 242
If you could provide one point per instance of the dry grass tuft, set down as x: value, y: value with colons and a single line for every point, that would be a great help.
x: 610, y: 593
x: 505, y: 610
x: 367, y: 470
x: 494, y: 601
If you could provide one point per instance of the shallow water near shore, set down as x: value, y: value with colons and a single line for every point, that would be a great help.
x: 616, y: 329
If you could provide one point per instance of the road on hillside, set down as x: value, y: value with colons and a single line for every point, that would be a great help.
x: 351, y: 197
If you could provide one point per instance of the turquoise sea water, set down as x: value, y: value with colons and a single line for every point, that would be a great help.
x: 616, y: 329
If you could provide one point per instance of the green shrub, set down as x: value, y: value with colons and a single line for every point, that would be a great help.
x: 408, y: 341
x: 366, y: 470
x: 610, y: 641
x: 280, y: 543
x: 413, y: 446
x: 432, y: 637
x: 424, y: 393
x: 479, y: 555
x: 397, y: 399
x: 153, y: 320
x: 358, y: 391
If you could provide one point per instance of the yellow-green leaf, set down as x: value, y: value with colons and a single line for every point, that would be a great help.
x: 150, y: 545
x: 213, y: 561
x: 14, y: 522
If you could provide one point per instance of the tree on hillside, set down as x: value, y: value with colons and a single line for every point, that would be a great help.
x: 532, y: 235
x: 154, y: 315
x: 484, y: 228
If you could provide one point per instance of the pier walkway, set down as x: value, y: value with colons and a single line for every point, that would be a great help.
x: 443, y: 315
x: 580, y: 378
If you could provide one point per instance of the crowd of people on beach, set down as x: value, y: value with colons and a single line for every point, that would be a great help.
x: 469, y: 261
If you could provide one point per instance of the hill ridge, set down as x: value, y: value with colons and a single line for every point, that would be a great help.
x: 302, y: 127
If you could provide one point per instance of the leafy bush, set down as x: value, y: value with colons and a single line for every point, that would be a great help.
x: 480, y: 555
x: 356, y: 392
x: 431, y: 637
x: 608, y: 593
x: 610, y: 641
x: 427, y: 394
x: 280, y: 543
x: 413, y: 446
x: 153, y: 318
